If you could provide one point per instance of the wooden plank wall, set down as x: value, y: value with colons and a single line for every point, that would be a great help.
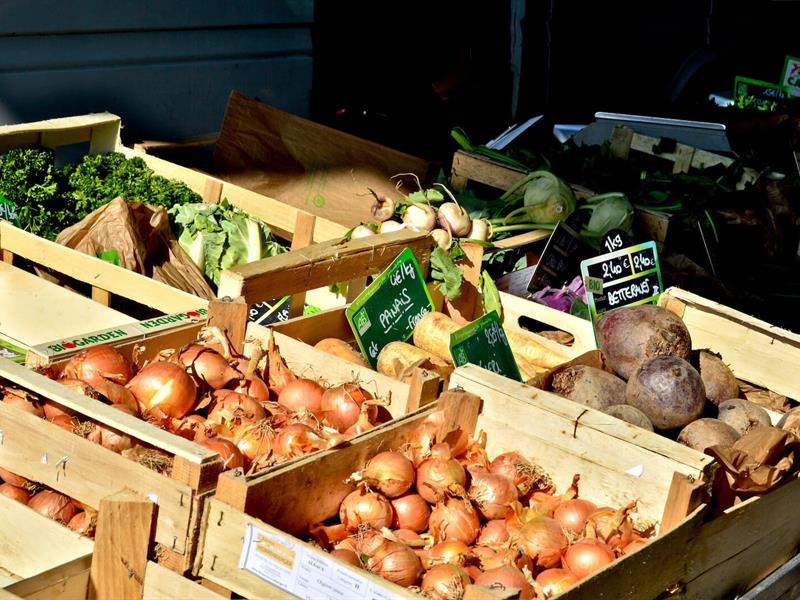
x: 167, y: 71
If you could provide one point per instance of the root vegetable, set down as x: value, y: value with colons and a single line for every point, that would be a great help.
x: 432, y: 333
x: 341, y: 349
x: 532, y: 351
x: 361, y: 231
x: 398, y: 360
x: 629, y: 414
x: 719, y: 380
x: 443, y: 238
x: 420, y: 217
x: 454, y: 219
x: 383, y: 208
x: 668, y: 390
x: 790, y: 421
x: 743, y: 415
x: 704, y: 433
x: 481, y: 230
x: 630, y: 335
x: 391, y: 226
x: 590, y: 386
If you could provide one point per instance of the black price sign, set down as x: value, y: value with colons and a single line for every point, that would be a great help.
x: 627, y: 276
x: 270, y: 311
x: 390, y: 307
x: 561, y: 256
x: 484, y: 343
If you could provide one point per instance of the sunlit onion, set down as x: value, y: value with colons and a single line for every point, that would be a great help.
x: 165, y: 387
x: 492, y: 493
x: 226, y: 402
x: 507, y: 577
x: 208, y: 366
x: 302, y: 393
x: 296, y: 439
x: 454, y: 518
x: 396, y: 562
x: 15, y: 493
x: 117, y: 394
x: 542, y: 539
x: 411, y: 511
x: 453, y: 552
x: 254, y: 439
x: 437, y: 473
x: 24, y: 401
x: 614, y: 527
x: 445, y: 582
x: 228, y: 451
x: 98, y: 363
x: 572, y: 514
x: 365, y: 508
x: 66, y: 422
x: 84, y: 523
x: 555, y: 581
x: 341, y: 405
x: 522, y: 472
x: 493, y: 533
x: 348, y: 556
x: 53, y: 506
x: 390, y: 473
x: 587, y: 556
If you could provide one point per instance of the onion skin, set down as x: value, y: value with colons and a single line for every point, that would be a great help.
x: 508, y: 577
x: 348, y: 556
x: 411, y: 511
x: 65, y: 422
x: 53, y: 506
x: 341, y: 406
x: 111, y: 438
x: 296, y: 439
x: 12, y: 478
x: 555, y: 581
x: 395, y: 562
x: 254, y: 439
x: 493, y: 533
x: 445, y: 582
x: 97, y: 364
x: 365, y: 508
x: 492, y: 493
x: 522, y: 472
x: 166, y: 387
x: 572, y: 514
x: 302, y: 393
x: 542, y: 539
x: 84, y: 523
x: 449, y: 552
x: 24, y: 401
x: 455, y: 518
x: 231, y: 456
x: 391, y: 473
x: 586, y: 557
x: 226, y: 402
x: 435, y: 474
x: 15, y: 493
x: 208, y: 366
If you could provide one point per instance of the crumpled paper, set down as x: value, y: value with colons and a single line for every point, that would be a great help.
x: 143, y: 240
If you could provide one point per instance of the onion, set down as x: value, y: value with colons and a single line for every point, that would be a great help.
x: 254, y: 386
x: 475, y: 455
x: 493, y: 533
x: 454, y: 518
x: 555, y: 581
x: 492, y: 494
x: 395, y: 562
x: 117, y: 394
x: 226, y: 402
x: 637, y: 543
x: 541, y: 538
x: 15, y: 493
x: 111, y: 438
x: 614, y: 527
x: 420, y: 216
x: 364, y: 423
x: 365, y: 508
x: 53, y: 410
x: 522, y: 472
x: 445, y: 582
x: 296, y: 439
x: 97, y: 364
x: 53, y: 506
x: 437, y: 473
x: 572, y: 514
x: 254, y: 439
x: 391, y: 473
x: 84, y: 523
x: 507, y: 577
x: 443, y: 238
x: 166, y: 387
x: 302, y: 393
x: 189, y: 427
x: 411, y: 512
x: 231, y: 456
x: 208, y: 366
x: 587, y: 556
x: 66, y: 422
x: 452, y: 552
x: 545, y: 502
x: 424, y: 436
x: 409, y: 537
x: 348, y: 556
x: 24, y: 401
x: 348, y: 543
x: 328, y: 535
x: 341, y: 405
x: 12, y: 478
x: 454, y: 219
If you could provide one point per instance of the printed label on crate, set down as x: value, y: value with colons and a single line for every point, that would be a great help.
x: 294, y: 567
x: 8, y: 210
x: 484, y: 343
x: 791, y: 74
x: 758, y: 95
x: 150, y: 326
x: 390, y: 307
x: 560, y: 259
x: 628, y: 276
x: 270, y: 311
x: 12, y: 352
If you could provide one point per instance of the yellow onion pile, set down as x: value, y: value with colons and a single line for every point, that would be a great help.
x: 49, y: 503
x: 253, y: 412
x: 440, y: 519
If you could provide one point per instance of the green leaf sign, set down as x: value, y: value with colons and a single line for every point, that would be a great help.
x: 484, y: 343
x: 390, y: 307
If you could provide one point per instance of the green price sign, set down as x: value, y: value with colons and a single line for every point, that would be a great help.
x: 390, y: 307
x: 8, y: 210
x: 484, y: 343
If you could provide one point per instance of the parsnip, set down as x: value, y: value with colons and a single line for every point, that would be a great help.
x: 432, y: 333
x: 341, y: 349
x: 398, y: 359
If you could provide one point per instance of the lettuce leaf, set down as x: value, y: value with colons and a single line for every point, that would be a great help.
x: 446, y: 273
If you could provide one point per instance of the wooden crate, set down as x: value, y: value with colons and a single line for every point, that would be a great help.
x: 43, y: 452
x: 102, y: 134
x: 285, y: 502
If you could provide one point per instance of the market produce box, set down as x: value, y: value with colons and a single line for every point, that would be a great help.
x: 250, y: 546
x: 76, y: 137
x: 304, y: 164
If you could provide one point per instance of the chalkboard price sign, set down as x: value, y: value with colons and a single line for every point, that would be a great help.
x: 270, y: 311
x: 390, y: 307
x: 621, y: 278
x: 484, y: 343
x: 561, y: 256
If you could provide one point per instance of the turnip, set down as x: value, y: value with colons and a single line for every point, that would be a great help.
x: 719, y: 380
x: 704, y: 433
x: 668, y: 390
x: 442, y: 238
x: 630, y: 335
x: 420, y: 217
x: 391, y: 226
x: 480, y: 230
x: 361, y: 231
x: 743, y: 415
x: 454, y: 219
x: 629, y: 414
x: 590, y: 386
x: 383, y: 209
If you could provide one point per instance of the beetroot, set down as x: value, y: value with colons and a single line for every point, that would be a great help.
x: 704, y: 433
x: 630, y: 335
x: 629, y: 414
x: 743, y: 415
x: 719, y: 380
x: 590, y: 386
x: 668, y: 390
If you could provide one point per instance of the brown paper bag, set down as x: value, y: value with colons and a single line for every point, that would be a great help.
x: 143, y: 241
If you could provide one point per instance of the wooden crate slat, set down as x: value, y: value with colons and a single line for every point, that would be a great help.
x: 100, y: 129
x: 160, y: 583
x: 33, y: 448
x: 69, y: 581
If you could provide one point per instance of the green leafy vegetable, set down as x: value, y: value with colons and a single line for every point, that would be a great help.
x: 490, y: 295
x: 220, y: 236
x: 446, y: 273
x: 608, y: 211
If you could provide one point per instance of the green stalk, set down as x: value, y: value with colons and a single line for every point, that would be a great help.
x: 524, y: 227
